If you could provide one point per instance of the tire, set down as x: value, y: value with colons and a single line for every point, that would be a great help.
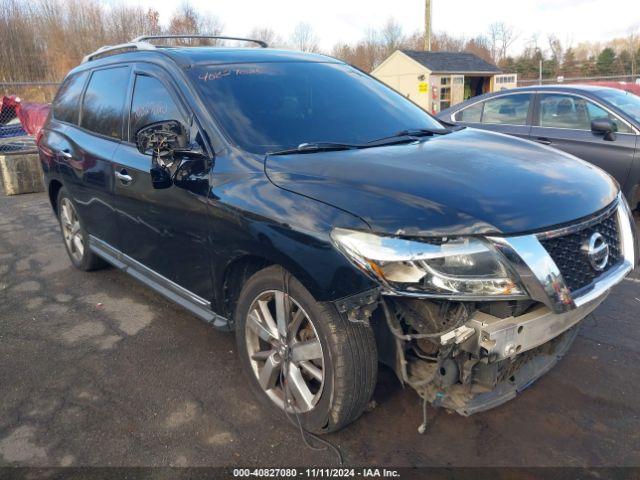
x: 74, y: 235
x: 349, y: 358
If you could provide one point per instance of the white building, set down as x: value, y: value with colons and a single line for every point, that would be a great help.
x: 437, y: 80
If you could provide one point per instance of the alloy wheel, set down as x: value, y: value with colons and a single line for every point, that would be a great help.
x: 280, y: 335
x: 71, y: 230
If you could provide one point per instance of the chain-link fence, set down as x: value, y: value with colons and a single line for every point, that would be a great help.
x: 14, y: 137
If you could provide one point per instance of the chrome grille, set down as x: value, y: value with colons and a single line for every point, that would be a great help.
x: 573, y: 263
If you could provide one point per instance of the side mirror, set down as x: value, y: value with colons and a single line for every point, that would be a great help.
x: 605, y: 127
x: 162, y: 140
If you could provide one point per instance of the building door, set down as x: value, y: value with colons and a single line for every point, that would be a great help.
x: 457, y: 89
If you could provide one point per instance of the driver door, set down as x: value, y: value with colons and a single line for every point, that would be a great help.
x: 165, y: 230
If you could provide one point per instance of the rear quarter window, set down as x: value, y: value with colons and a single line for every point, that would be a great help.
x: 103, y: 104
x: 471, y: 114
x: 66, y: 105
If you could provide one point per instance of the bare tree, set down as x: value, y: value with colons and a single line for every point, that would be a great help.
x: 391, y: 36
x: 187, y: 20
x: 633, y: 45
x: 303, y: 38
x: 267, y: 35
x: 557, y: 53
x: 501, y: 38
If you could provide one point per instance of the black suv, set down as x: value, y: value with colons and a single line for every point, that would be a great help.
x: 331, y: 223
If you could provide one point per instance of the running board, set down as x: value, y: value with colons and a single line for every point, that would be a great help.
x: 152, y: 279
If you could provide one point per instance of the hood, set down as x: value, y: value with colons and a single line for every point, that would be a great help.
x: 464, y: 183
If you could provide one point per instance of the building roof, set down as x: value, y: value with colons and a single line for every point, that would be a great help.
x: 452, y: 62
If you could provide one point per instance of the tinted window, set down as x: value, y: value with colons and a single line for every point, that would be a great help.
x: 470, y: 114
x: 151, y: 103
x: 272, y: 106
x: 510, y: 109
x: 65, y: 107
x: 576, y: 113
x: 103, y: 104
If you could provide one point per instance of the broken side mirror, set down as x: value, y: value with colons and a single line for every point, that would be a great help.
x: 162, y: 141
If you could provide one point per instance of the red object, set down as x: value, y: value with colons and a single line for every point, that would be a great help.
x: 32, y: 116
x: 9, y: 106
x: 627, y: 87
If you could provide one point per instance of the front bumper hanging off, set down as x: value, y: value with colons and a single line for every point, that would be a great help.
x: 488, y: 359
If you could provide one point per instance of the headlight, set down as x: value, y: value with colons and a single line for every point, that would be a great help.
x: 464, y: 267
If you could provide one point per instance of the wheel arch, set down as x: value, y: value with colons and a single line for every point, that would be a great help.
x: 53, y: 190
x: 242, y: 267
x: 236, y: 273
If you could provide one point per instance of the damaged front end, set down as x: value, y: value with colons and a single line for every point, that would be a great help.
x: 452, y: 353
x: 471, y: 322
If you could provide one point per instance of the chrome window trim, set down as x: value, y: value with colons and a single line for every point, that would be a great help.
x: 604, y: 107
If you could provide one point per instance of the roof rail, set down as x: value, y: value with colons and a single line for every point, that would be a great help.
x: 141, y: 43
x: 145, y: 38
x: 122, y: 46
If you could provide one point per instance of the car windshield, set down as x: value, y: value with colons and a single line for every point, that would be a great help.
x: 625, y: 101
x: 266, y: 107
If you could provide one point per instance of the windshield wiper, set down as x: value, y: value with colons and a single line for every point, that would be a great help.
x: 413, y: 134
x: 423, y: 132
x: 313, y: 147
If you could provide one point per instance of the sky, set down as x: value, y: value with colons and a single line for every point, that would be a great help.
x: 573, y: 21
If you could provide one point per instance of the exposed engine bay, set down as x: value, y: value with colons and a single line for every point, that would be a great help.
x: 467, y: 356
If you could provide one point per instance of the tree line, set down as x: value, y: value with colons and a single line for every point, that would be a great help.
x: 41, y: 40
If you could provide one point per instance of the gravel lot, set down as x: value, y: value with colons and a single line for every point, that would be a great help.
x: 95, y: 369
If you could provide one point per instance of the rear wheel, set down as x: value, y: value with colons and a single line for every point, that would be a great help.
x: 76, y: 240
x: 301, y: 356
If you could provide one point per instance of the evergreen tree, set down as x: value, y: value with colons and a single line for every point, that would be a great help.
x: 606, y: 62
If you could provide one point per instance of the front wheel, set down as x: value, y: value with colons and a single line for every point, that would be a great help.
x: 301, y: 356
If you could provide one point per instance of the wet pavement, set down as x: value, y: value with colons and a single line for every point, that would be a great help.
x: 96, y: 369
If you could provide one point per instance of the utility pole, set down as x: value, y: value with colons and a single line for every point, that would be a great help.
x: 427, y: 25
x: 540, y: 77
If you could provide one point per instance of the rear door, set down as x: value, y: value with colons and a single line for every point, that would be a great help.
x: 166, y: 230
x: 85, y: 151
x: 563, y: 121
x: 509, y: 113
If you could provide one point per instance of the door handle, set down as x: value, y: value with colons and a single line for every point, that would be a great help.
x: 65, y: 154
x: 123, y: 176
x: 543, y: 140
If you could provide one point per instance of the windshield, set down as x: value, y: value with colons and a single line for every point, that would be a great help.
x: 625, y: 101
x: 267, y: 107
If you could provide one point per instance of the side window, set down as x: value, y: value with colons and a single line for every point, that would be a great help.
x: 576, y: 113
x: 151, y: 103
x: 67, y: 102
x: 103, y: 105
x: 470, y: 114
x: 595, y: 113
x: 508, y: 110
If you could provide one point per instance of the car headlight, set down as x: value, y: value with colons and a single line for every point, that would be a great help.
x: 461, y: 267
